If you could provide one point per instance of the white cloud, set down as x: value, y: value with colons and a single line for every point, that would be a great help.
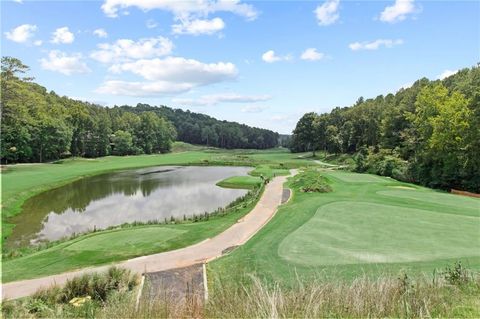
x: 18, y: 1
x: 374, y: 45
x: 61, y: 62
x: 101, y: 33
x: 22, y: 33
x: 254, y: 108
x: 125, y: 49
x: 191, y: 16
x: 199, y: 26
x: 327, y: 13
x: 143, y: 88
x: 38, y: 42
x: 62, y: 35
x: 311, y: 54
x: 178, y: 69
x: 271, y: 57
x: 398, y: 11
x: 446, y: 74
x: 215, y: 99
x: 182, y: 9
x: 171, y: 75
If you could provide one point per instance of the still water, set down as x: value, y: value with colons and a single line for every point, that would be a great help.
x: 153, y: 193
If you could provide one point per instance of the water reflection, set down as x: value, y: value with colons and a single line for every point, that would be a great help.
x: 123, y: 197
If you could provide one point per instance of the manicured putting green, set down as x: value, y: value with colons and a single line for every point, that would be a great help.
x: 358, y: 178
x: 127, y: 240
x: 437, y: 198
x: 348, y: 232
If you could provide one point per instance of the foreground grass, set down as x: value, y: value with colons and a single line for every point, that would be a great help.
x: 368, y: 225
x: 451, y: 294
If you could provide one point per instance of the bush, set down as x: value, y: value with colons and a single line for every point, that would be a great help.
x: 310, y: 181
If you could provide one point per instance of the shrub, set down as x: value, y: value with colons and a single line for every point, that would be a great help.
x: 311, y: 181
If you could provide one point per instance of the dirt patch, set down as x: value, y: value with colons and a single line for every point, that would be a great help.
x: 175, y: 285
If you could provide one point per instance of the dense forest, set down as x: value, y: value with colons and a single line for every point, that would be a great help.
x: 196, y: 128
x: 428, y: 133
x: 39, y: 126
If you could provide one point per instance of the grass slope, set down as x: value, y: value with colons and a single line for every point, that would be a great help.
x: 357, y: 229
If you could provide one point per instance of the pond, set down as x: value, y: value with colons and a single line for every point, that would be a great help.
x: 153, y: 193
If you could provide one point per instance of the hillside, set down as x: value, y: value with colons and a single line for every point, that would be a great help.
x: 428, y: 133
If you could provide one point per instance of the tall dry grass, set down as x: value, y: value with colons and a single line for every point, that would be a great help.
x: 451, y: 295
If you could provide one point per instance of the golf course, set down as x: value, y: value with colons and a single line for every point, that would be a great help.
x: 367, y: 225
x: 364, y: 224
x: 240, y: 159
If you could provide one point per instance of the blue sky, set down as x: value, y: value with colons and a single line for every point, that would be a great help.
x: 216, y: 57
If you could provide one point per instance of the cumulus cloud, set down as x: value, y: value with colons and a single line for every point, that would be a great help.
x: 374, y: 45
x: 101, y: 33
x: 398, y: 11
x: 170, y: 75
x: 311, y: 54
x: 199, y: 26
x: 327, y: 13
x: 126, y: 49
x: 271, y: 57
x: 64, y: 63
x: 22, y: 33
x: 178, y: 69
x: 446, y: 74
x: 191, y: 16
x: 182, y: 8
x: 214, y: 99
x: 254, y: 108
x: 63, y: 35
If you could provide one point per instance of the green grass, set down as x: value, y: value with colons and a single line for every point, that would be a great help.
x: 269, y: 171
x: 245, y: 182
x: 365, y: 226
x: 347, y: 232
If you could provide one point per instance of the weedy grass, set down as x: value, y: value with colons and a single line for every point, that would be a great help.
x: 440, y: 296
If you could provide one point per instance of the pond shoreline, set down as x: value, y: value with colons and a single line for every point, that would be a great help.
x: 144, y: 196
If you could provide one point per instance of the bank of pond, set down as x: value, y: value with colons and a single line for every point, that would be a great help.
x: 157, y: 193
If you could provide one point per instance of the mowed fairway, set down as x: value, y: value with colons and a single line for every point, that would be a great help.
x: 361, y: 232
x: 368, y: 225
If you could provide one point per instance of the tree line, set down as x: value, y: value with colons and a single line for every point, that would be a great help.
x: 428, y: 133
x: 39, y: 126
x: 197, y: 128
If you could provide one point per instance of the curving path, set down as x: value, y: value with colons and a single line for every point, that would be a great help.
x: 204, y: 251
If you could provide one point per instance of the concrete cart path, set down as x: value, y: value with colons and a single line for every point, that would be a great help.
x: 204, y: 251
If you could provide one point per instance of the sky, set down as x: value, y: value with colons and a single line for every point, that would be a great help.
x: 262, y: 63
